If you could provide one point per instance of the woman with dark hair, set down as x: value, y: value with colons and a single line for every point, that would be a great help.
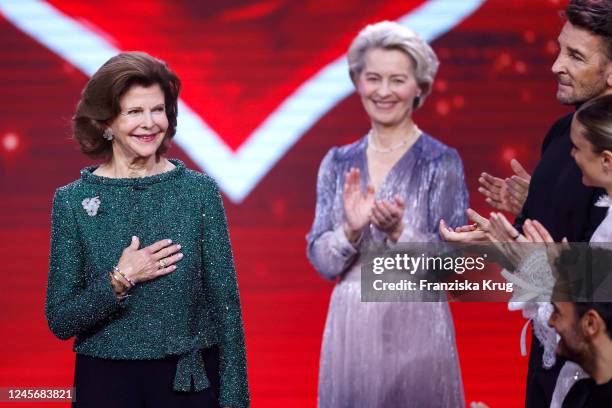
x: 141, y: 269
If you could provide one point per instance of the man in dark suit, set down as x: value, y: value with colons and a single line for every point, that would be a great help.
x: 557, y: 198
x: 555, y: 194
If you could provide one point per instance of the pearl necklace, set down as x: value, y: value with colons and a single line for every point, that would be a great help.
x: 416, y: 132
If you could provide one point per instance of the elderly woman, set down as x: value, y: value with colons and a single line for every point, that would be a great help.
x: 141, y: 271
x: 394, y: 184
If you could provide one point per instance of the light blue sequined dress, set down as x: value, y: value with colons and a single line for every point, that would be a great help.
x: 387, y: 354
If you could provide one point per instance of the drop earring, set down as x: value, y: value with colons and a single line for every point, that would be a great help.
x: 417, y: 101
x: 108, y: 134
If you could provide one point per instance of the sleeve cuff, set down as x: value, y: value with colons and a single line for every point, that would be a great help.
x: 407, y: 235
x: 105, y: 292
x: 340, y: 245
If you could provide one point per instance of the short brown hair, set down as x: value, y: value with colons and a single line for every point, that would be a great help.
x: 594, y: 16
x: 100, y: 98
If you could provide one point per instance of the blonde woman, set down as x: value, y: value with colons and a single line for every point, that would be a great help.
x: 394, y: 184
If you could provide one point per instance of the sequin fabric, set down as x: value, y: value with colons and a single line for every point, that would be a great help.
x: 194, y: 307
x: 387, y: 354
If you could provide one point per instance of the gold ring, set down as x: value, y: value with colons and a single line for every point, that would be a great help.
x: 162, y: 264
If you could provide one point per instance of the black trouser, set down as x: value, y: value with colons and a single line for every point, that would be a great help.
x: 108, y: 383
x: 540, y: 381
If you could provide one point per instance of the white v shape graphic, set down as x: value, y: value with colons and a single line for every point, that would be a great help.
x: 237, y: 173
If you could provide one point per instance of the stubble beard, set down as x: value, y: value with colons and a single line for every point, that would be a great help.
x: 582, y: 94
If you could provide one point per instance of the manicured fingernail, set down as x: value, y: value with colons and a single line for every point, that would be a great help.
x: 169, y: 241
x: 180, y: 255
x: 178, y: 246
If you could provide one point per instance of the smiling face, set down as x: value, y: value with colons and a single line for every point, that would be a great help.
x: 566, y: 322
x: 140, y: 127
x: 591, y: 164
x: 387, y: 86
x: 582, y: 69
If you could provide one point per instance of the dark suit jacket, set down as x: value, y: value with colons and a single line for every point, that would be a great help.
x: 557, y: 198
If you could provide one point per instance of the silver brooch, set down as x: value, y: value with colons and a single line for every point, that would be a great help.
x: 91, y: 205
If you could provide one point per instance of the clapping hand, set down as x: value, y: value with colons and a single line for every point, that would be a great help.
x: 512, y: 243
x: 387, y: 216
x: 536, y: 232
x: 506, y: 194
x: 357, y: 206
x: 475, y: 232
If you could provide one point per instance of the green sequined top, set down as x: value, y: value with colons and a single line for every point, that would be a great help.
x: 194, y: 307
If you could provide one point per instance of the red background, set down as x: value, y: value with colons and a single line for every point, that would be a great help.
x: 493, y: 100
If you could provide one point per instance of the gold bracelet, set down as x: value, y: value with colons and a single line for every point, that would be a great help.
x: 124, y: 287
x: 131, y: 282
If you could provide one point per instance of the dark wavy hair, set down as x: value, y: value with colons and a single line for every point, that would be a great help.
x: 581, y: 270
x: 99, y: 103
x: 594, y: 16
x: 604, y: 309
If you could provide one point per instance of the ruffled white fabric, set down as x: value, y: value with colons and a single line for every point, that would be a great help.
x: 533, y: 284
x: 533, y: 279
x: 533, y: 299
x: 604, y: 201
x: 603, y: 233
